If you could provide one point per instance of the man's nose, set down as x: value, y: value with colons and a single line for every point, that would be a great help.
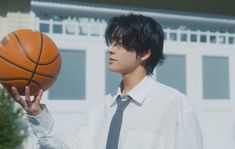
x: 110, y: 49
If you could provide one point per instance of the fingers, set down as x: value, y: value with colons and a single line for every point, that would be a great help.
x: 17, y: 98
x: 38, y: 97
x: 27, y: 96
x: 31, y: 107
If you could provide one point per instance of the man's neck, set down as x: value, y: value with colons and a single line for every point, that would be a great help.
x: 130, y: 80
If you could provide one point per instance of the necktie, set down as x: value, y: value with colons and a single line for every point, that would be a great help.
x: 116, y: 122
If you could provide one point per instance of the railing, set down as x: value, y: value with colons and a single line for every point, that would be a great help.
x: 91, y: 27
x: 82, y: 27
x: 199, y: 36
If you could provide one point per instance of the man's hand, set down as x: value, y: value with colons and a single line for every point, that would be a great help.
x: 32, y: 107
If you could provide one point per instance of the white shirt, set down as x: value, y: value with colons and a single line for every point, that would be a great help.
x: 158, y: 117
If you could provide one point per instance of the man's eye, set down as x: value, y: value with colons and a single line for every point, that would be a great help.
x: 114, y: 44
x: 118, y: 45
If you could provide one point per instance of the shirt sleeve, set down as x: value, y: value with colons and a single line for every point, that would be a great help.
x: 50, y: 136
x: 188, y: 132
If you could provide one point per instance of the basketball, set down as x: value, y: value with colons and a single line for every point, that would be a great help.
x: 28, y: 58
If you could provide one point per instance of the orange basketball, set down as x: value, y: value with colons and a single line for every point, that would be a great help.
x: 28, y: 58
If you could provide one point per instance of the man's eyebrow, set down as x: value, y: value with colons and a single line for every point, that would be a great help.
x: 116, y: 42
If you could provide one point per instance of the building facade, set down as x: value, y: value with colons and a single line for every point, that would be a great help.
x: 200, y: 53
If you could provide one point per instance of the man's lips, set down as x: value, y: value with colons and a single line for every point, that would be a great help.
x: 111, y: 60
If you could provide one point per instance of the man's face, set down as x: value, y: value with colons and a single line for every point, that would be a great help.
x: 121, y: 60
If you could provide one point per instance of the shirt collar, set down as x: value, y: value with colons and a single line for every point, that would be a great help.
x: 139, y: 92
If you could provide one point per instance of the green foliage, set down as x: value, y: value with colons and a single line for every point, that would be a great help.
x: 13, y: 128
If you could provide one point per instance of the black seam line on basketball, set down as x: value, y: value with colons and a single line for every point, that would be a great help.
x: 44, y: 75
x: 25, y: 53
x: 39, y: 57
x: 53, y: 60
x: 22, y: 47
x: 2, y: 80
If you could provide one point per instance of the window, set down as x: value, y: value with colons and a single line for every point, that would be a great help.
x: 71, y: 82
x: 213, y: 39
x: 83, y: 29
x: 112, y: 79
x: 203, y: 38
x: 215, y: 77
x: 231, y: 40
x: 222, y: 39
x: 193, y: 37
x: 95, y: 30
x: 70, y: 29
x: 173, y: 36
x: 44, y: 27
x: 183, y: 37
x: 173, y: 72
x: 57, y: 28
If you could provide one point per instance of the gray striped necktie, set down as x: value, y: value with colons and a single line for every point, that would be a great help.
x: 116, y: 123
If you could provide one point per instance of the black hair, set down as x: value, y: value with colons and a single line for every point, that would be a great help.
x: 138, y: 33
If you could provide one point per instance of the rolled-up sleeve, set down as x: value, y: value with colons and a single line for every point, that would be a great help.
x: 50, y: 136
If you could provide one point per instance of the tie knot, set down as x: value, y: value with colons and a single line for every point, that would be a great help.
x: 121, y: 105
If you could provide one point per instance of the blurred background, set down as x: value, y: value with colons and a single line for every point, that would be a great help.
x: 199, y: 48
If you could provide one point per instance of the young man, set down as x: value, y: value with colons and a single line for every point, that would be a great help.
x: 144, y: 114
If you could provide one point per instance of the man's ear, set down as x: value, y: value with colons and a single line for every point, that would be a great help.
x: 145, y: 55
